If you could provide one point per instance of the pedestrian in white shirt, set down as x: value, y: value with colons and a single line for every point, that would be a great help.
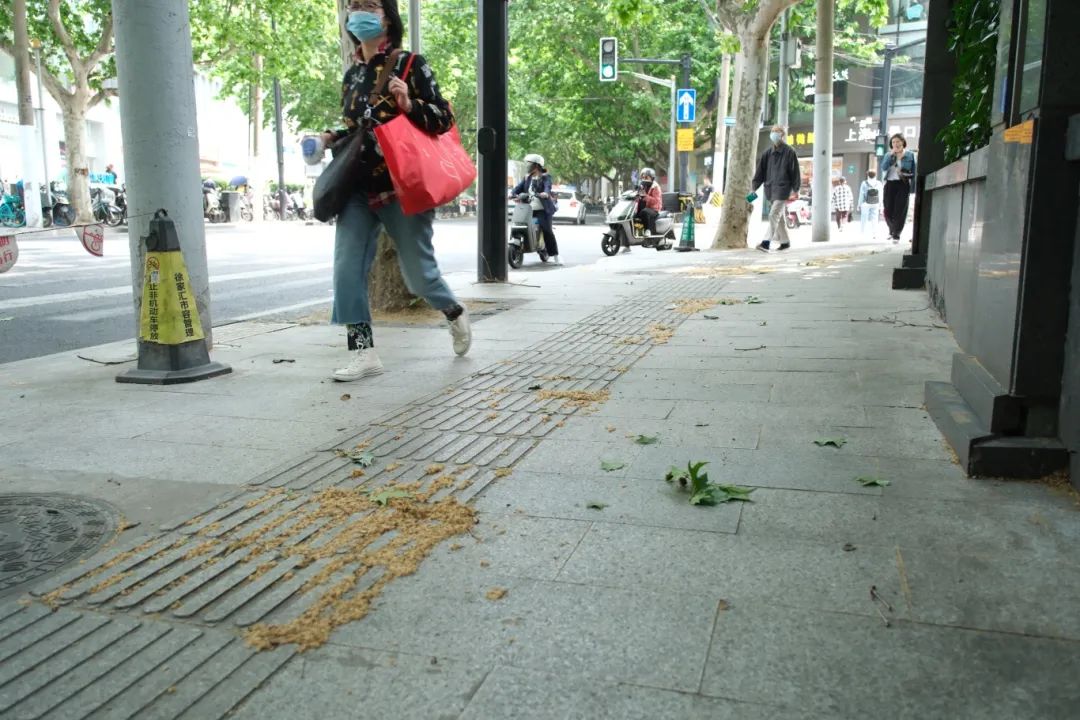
x: 870, y: 193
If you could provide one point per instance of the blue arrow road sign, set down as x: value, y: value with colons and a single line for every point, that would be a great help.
x: 686, y: 102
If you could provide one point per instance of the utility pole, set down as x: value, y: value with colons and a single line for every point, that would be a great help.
x: 823, y: 111
x: 891, y: 51
x: 30, y: 173
x: 740, y: 61
x: 161, y: 146
x: 491, y: 141
x: 684, y: 157
x: 783, y: 87
x: 720, y: 145
x: 279, y: 133
x: 41, y: 129
x: 414, y: 26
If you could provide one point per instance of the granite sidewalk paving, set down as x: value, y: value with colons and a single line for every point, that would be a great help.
x: 580, y: 592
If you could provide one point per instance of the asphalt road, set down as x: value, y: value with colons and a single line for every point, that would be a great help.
x: 59, y: 298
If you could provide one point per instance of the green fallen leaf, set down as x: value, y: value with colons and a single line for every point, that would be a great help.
x: 647, y: 439
x: 384, y: 496
x: 359, y: 457
x: 677, y: 474
x: 831, y: 442
x: 735, y: 493
x: 536, y: 387
x: 868, y: 481
x: 712, y: 317
x: 611, y: 465
x: 596, y: 505
x: 706, y: 496
x: 753, y: 300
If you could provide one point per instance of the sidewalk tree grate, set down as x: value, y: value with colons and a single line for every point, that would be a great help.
x: 41, y: 533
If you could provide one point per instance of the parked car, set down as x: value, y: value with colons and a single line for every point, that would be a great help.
x: 571, y: 206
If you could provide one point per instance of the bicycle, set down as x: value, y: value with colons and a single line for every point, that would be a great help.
x: 12, y: 213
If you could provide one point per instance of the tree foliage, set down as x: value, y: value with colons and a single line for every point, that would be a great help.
x: 973, y: 33
x: 77, y: 59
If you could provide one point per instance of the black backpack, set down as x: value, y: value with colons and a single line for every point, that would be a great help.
x: 872, y: 195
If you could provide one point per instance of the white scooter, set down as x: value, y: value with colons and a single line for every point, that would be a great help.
x: 525, y: 233
x: 624, y: 230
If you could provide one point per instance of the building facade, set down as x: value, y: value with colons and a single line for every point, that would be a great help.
x: 224, y: 135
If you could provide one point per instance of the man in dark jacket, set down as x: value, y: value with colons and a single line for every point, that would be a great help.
x: 778, y: 171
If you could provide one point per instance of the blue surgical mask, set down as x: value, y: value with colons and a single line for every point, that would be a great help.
x: 775, y: 137
x: 364, y: 25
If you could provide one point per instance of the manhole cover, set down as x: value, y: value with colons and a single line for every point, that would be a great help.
x: 41, y: 533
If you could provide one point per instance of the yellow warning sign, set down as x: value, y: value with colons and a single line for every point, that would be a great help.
x: 684, y: 140
x: 169, y: 315
x: 1024, y: 133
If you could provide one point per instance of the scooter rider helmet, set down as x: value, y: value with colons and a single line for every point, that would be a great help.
x: 533, y: 159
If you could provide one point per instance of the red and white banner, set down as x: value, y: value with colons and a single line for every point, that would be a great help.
x: 92, y: 238
x: 9, y: 252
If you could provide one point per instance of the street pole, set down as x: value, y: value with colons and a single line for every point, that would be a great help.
x: 720, y: 144
x: 684, y: 157
x: 30, y: 171
x: 279, y: 134
x: 783, y: 87
x: 673, y: 143
x: 891, y: 51
x: 41, y: 126
x: 491, y: 141
x: 414, y: 26
x: 823, y: 110
x: 161, y: 145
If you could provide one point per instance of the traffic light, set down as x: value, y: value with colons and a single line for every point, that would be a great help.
x: 609, y: 59
x: 880, y: 143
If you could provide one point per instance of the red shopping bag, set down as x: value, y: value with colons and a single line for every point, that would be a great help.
x: 427, y: 170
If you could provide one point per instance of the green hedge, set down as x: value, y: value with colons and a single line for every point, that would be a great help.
x: 973, y: 33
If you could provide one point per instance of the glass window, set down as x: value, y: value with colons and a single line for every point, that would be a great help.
x: 906, y: 11
x: 1031, y: 71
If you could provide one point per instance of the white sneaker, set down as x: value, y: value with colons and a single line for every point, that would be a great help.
x: 556, y: 260
x: 365, y: 362
x: 461, y: 332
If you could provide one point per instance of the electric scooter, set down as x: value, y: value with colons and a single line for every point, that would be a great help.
x: 624, y: 230
x: 525, y: 233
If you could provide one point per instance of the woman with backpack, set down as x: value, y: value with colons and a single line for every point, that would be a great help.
x: 374, y: 92
x: 870, y: 203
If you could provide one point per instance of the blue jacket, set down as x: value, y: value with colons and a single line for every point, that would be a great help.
x: 540, y: 184
x: 907, y: 164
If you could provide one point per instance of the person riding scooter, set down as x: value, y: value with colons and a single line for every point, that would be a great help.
x: 649, y: 202
x: 538, y: 182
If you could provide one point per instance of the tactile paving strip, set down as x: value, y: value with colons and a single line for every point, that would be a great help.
x: 235, y: 564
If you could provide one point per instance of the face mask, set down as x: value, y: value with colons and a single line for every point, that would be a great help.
x: 775, y: 137
x: 364, y: 25
x: 646, y: 183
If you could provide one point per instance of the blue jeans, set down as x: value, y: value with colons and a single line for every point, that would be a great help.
x: 356, y: 240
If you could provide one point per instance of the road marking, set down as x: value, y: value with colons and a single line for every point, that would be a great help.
x: 278, y: 311
x: 126, y: 289
x: 217, y: 298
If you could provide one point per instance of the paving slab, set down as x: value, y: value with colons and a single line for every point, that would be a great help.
x: 734, y: 568
x: 623, y: 500
x: 533, y: 695
x: 341, y: 682
x: 830, y: 664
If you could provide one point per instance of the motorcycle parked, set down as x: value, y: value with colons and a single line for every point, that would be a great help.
x: 61, y: 210
x: 120, y: 200
x: 105, y: 211
x: 525, y: 233
x: 797, y: 213
x: 212, y: 210
x: 625, y: 230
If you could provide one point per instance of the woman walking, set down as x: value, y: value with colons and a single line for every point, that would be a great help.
x: 373, y: 92
x: 898, y: 171
x: 842, y: 201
